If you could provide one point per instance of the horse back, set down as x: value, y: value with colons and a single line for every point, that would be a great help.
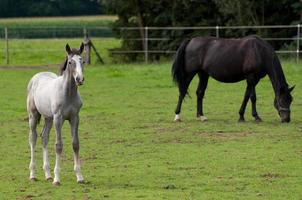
x: 227, y: 60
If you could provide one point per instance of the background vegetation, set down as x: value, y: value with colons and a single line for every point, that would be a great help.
x: 29, y: 8
x: 165, y: 13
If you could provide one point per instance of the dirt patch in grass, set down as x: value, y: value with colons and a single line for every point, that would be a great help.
x: 221, y: 135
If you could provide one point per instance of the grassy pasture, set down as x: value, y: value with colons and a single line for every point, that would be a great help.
x: 29, y: 52
x: 131, y: 149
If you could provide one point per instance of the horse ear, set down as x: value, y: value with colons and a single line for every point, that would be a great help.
x: 68, y: 50
x: 291, y: 89
x: 81, y: 48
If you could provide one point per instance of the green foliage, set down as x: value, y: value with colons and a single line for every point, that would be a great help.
x: 130, y: 148
x: 165, y: 13
x: 19, y: 8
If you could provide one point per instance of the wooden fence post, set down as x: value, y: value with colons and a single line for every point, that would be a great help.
x: 87, y: 47
x: 217, y: 31
x: 146, y: 45
x: 6, y: 46
x: 298, y: 42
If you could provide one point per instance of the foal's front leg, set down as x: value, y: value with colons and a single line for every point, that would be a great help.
x: 74, y: 124
x: 58, y: 123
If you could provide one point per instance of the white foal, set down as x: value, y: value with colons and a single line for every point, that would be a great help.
x: 57, y: 99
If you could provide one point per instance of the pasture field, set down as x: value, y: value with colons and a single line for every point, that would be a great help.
x: 132, y: 149
x: 33, y: 52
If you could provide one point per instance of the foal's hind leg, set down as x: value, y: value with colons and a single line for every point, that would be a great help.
x: 182, y: 94
x: 202, y: 86
x: 33, y: 121
x: 45, y: 137
x: 74, y: 123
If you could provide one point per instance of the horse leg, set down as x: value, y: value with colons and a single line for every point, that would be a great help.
x: 74, y: 123
x: 33, y: 121
x: 244, y: 102
x: 45, y: 137
x: 253, y: 100
x: 181, y: 97
x: 58, y: 122
x: 202, y: 86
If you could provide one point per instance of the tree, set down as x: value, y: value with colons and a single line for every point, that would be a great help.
x: 19, y: 8
x: 163, y: 13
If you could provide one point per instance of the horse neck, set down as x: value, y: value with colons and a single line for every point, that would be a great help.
x: 276, y: 76
x: 69, y: 86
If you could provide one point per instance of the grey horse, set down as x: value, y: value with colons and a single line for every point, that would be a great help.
x: 57, y: 99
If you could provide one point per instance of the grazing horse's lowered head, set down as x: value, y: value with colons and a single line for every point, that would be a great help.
x: 282, y: 103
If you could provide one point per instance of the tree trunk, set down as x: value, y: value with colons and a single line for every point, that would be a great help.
x: 141, y: 23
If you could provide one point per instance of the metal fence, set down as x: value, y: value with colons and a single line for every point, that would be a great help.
x: 146, y: 47
x: 216, y: 31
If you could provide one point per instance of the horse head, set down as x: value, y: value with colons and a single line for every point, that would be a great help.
x: 282, y: 103
x: 74, y: 63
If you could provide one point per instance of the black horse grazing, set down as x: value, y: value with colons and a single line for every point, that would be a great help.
x: 229, y: 61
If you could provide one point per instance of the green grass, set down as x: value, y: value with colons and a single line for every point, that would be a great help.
x: 131, y: 149
x: 32, y: 22
x: 29, y: 52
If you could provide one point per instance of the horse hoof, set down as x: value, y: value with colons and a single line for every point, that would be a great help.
x: 203, y: 118
x: 50, y: 179
x: 177, y: 118
x: 241, y: 120
x: 56, y: 183
x: 258, y: 120
x: 33, y: 179
x: 81, y: 181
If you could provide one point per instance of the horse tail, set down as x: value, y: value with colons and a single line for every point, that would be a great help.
x: 178, y: 68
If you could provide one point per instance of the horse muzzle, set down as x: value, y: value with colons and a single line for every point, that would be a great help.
x: 80, y: 81
x: 285, y: 120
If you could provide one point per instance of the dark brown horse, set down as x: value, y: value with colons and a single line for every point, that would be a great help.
x: 230, y: 61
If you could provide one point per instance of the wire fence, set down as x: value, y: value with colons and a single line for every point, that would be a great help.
x: 16, y: 44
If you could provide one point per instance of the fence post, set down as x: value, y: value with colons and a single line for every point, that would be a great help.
x: 217, y: 31
x: 87, y: 47
x: 146, y: 45
x: 6, y: 46
x: 85, y: 32
x: 298, y: 42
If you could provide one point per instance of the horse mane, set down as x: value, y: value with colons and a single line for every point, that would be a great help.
x: 63, y: 66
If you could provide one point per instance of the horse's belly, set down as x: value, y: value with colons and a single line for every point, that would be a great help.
x: 229, y: 79
x: 43, y: 106
x: 42, y: 98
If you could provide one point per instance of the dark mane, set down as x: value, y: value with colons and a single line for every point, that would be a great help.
x: 63, y: 66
